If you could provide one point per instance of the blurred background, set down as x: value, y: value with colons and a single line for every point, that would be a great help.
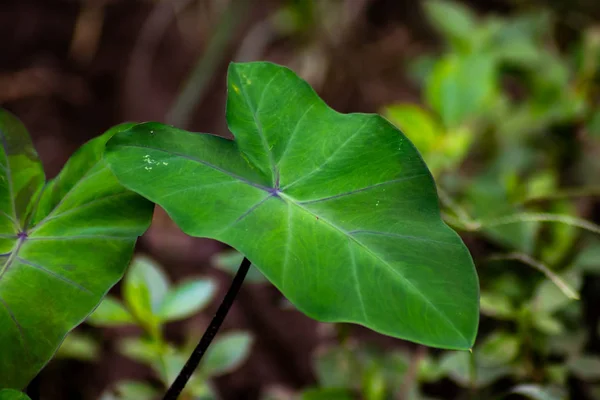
x: 499, y: 96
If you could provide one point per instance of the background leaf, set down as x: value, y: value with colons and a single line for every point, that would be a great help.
x: 281, y: 192
x: 227, y: 353
x: 70, y: 241
x: 452, y: 19
x: 110, y: 313
x: 145, y: 288
x: 186, y: 299
x: 461, y: 87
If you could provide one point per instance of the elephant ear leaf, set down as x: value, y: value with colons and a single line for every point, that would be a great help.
x: 9, y: 394
x: 339, y: 211
x: 63, y: 245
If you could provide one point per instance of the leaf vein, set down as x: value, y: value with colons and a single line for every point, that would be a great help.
x: 328, y: 159
x: 18, y: 326
x: 205, y: 163
x: 397, y: 235
x: 357, y: 285
x: 293, y: 134
x: 259, y: 127
x: 362, y: 189
x: 67, y: 195
x: 54, y: 274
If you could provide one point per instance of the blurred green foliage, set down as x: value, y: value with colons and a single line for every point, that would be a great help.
x: 150, y: 302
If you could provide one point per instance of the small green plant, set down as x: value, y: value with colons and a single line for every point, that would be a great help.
x: 338, y: 211
x: 150, y: 303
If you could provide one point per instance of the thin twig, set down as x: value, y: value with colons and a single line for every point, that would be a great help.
x: 192, y: 363
x: 411, y: 376
x: 538, y: 217
x: 526, y: 259
x: 590, y: 191
x: 453, y: 206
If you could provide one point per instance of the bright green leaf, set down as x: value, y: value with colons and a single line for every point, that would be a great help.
x: 338, y: 211
x: 9, y: 394
x: 226, y: 354
x: 499, y: 348
x: 186, y: 299
x: 461, y: 87
x: 145, y: 288
x: 62, y: 246
x: 110, y: 313
x: 454, y: 20
x: 419, y: 126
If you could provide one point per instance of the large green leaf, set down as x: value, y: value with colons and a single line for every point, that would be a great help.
x: 338, y: 211
x: 62, y: 246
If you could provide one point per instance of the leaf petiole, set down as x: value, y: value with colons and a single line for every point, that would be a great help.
x: 192, y: 363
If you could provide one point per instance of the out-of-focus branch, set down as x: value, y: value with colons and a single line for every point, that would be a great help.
x: 195, y: 86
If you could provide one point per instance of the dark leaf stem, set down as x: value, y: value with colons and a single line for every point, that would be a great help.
x: 210, y: 333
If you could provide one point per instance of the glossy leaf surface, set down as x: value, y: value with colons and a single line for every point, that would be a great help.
x: 63, y: 245
x: 339, y: 211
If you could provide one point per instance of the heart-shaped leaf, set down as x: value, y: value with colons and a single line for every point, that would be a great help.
x: 338, y: 211
x: 62, y: 246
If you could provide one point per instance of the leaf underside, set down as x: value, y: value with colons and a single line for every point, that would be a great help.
x: 339, y: 211
x: 63, y: 245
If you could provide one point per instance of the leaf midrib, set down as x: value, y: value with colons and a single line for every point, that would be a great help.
x: 13, y: 255
x: 259, y: 127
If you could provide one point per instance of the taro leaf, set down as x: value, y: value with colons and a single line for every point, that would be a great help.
x: 339, y: 211
x: 63, y: 245
x: 9, y: 394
